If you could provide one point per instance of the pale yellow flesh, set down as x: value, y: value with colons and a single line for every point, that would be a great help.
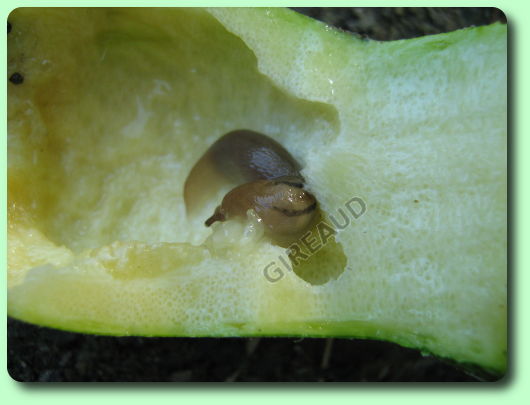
x: 118, y: 104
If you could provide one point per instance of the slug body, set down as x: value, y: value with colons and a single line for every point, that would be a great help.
x: 267, y: 180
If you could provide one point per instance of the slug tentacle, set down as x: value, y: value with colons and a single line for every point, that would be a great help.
x: 267, y: 180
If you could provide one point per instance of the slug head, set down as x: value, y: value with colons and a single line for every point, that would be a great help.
x: 285, y: 209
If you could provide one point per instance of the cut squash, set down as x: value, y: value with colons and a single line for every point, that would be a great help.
x: 117, y: 105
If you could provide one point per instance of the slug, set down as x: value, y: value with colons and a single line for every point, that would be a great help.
x: 267, y: 180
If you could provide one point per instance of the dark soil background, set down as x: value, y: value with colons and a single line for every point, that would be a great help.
x: 42, y: 354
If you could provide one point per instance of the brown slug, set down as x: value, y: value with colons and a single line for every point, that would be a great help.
x: 267, y: 180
